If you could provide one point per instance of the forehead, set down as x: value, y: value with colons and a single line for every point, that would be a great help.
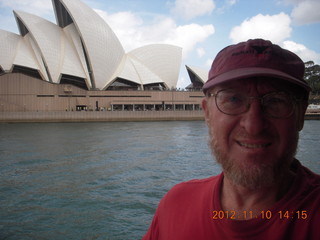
x: 261, y: 84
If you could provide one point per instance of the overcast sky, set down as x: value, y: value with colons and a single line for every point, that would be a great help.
x: 200, y: 27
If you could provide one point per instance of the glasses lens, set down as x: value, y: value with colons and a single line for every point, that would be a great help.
x: 278, y: 105
x: 231, y: 102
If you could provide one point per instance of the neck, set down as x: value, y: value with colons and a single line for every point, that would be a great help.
x: 242, y: 200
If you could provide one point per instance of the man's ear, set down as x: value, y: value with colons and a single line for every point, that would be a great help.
x: 205, y: 108
x: 302, y: 107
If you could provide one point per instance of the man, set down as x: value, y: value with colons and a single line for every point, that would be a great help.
x: 254, y: 105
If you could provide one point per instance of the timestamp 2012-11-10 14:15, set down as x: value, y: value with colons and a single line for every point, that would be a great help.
x: 246, y: 215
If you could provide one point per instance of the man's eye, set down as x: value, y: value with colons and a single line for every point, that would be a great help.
x: 277, y: 100
x: 234, y: 99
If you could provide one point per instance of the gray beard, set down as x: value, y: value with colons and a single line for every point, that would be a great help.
x: 258, y: 176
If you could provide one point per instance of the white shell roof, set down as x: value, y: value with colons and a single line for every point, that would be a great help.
x: 152, y: 64
x: 162, y: 59
x: 32, y: 47
x: 75, y: 41
x: 9, y: 43
x: 57, y: 51
x: 201, y: 73
x: 49, y: 43
x: 104, y: 50
x: 145, y: 74
x: 129, y: 71
x: 17, y: 50
x: 25, y: 56
x: 84, y: 46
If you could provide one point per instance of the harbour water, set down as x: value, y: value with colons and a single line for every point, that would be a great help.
x: 102, y: 180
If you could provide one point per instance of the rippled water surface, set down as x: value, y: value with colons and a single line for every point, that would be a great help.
x: 102, y: 180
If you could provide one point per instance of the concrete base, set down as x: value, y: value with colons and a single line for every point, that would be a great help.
x: 105, y: 116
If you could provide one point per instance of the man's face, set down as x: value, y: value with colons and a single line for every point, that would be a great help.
x: 253, y: 149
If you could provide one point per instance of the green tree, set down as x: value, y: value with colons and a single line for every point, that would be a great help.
x: 312, y: 76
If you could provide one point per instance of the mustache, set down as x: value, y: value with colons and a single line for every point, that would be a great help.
x: 264, y: 135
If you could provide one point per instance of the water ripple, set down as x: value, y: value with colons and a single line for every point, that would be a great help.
x: 102, y: 180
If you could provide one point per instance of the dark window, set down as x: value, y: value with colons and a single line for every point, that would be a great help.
x: 155, y: 86
x: 73, y: 80
x: 27, y: 71
x: 123, y: 84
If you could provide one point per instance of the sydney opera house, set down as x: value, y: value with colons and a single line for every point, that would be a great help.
x: 78, y: 64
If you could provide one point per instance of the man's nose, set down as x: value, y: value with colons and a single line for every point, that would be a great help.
x: 254, y: 120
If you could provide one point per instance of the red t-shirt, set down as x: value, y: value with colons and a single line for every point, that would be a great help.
x: 192, y: 211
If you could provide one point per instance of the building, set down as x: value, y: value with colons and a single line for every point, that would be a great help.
x: 79, y: 64
x: 198, y: 76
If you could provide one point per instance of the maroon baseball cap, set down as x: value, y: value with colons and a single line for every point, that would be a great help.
x: 256, y: 58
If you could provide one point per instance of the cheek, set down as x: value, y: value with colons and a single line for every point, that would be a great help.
x: 220, y: 128
x: 285, y: 139
x: 287, y: 130
x: 288, y: 137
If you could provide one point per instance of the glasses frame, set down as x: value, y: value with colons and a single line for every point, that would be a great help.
x: 293, y: 99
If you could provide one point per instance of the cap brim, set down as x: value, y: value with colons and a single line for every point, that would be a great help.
x: 242, y: 73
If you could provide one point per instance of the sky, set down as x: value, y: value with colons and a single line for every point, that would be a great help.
x: 200, y: 27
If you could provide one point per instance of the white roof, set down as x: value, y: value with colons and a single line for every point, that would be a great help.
x: 17, y: 50
x: 145, y: 74
x: 104, y: 50
x: 201, y: 73
x: 26, y: 55
x: 9, y: 43
x: 36, y: 53
x: 84, y: 46
x: 127, y: 70
x: 49, y: 43
x: 152, y: 64
x: 58, y: 53
x: 161, y: 59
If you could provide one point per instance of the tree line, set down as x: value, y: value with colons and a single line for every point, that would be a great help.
x: 312, y: 76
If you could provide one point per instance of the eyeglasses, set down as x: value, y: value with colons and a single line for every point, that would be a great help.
x: 275, y: 104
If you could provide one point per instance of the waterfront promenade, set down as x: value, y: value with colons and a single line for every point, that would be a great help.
x: 100, y: 116
x: 312, y: 114
x: 113, y: 116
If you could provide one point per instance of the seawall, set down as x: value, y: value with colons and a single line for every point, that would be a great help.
x: 110, y: 116
x: 312, y: 116
x: 100, y: 116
